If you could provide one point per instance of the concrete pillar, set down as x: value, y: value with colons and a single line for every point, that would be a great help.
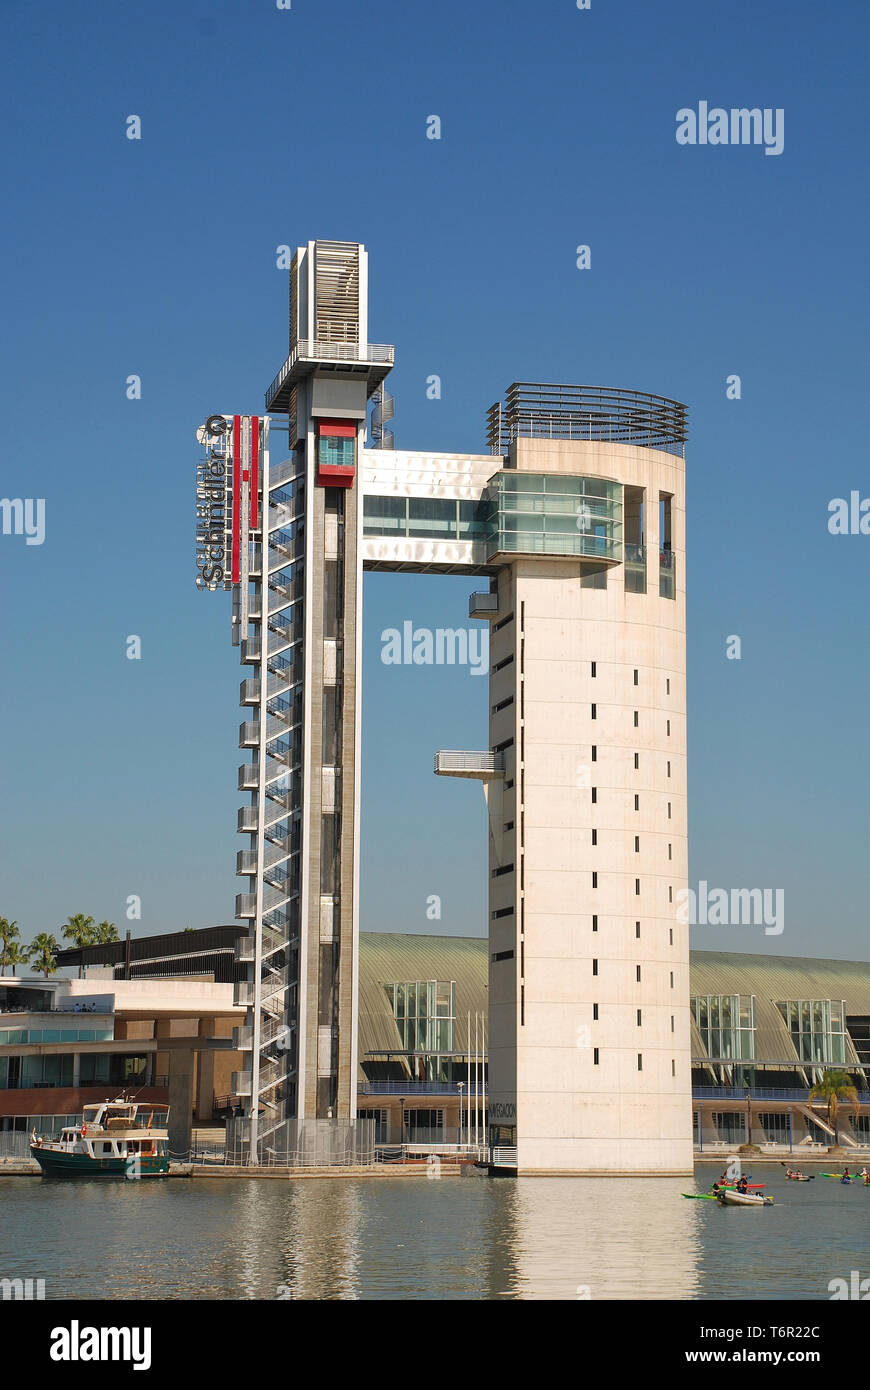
x: 205, y: 1073
x: 180, y: 1101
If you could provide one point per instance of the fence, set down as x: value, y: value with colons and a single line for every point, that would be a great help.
x: 295, y: 1144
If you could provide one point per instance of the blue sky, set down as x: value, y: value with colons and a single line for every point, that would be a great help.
x: 262, y: 127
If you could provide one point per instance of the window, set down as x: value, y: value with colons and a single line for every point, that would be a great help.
x: 669, y: 768
x: 594, y: 878
x: 594, y: 1013
x: 594, y: 711
x: 595, y: 1056
x: 817, y: 1028
x: 637, y: 844
x: 508, y: 825
x: 670, y: 892
x: 672, y: 979
x: 640, y: 1061
x: 726, y: 1023
x: 503, y: 912
x: 595, y: 921
x: 594, y: 795
x: 639, y: 1018
x: 502, y: 955
x: 595, y: 752
x: 637, y: 929
x: 667, y: 687
x: 636, y: 802
x: 671, y: 934
x: 672, y: 1023
x: 635, y: 719
x: 635, y: 677
x: 673, y: 1067
x: 637, y: 968
x: 637, y: 887
x: 595, y: 837
x: 669, y: 810
x: 594, y: 668
x: 636, y: 761
x: 594, y: 966
x: 670, y: 851
x: 425, y: 1014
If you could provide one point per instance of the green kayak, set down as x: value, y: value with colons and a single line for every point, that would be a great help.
x: 700, y: 1196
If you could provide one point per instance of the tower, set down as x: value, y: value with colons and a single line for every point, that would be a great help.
x: 576, y: 517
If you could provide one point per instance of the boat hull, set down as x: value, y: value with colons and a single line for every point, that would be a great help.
x: 744, y: 1199
x: 56, y: 1164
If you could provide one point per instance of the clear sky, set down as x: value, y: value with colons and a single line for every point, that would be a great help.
x: 157, y: 257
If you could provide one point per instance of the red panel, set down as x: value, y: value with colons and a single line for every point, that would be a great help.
x: 237, y: 497
x: 332, y: 475
x: 255, y: 469
x: 345, y: 429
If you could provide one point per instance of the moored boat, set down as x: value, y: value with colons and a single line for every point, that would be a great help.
x: 114, y: 1139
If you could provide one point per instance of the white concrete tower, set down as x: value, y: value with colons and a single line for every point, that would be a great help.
x: 589, y: 1047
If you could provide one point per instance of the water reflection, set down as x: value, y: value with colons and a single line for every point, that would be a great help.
x: 409, y: 1239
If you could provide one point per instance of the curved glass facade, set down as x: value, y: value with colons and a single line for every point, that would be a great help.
x: 553, y: 514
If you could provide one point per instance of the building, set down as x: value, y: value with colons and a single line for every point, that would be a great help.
x: 154, y: 1016
x: 764, y: 1031
x: 576, y: 516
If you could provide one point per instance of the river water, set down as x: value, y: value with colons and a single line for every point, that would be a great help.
x: 454, y: 1238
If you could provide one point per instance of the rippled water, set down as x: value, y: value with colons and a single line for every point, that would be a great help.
x: 457, y: 1238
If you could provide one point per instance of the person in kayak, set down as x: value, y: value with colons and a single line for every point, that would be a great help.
x: 847, y: 1177
x: 794, y: 1173
x: 742, y: 1184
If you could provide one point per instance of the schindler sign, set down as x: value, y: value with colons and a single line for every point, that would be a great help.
x: 211, y: 504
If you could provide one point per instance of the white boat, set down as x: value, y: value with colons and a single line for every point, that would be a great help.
x: 113, y: 1139
x: 744, y: 1199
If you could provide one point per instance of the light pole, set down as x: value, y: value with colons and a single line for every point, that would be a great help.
x: 401, y: 1119
x: 460, y: 1085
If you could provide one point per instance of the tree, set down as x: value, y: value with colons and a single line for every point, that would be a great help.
x: 9, y: 933
x: 105, y: 932
x: 82, y: 931
x: 43, y: 950
x: 17, y: 955
x: 834, y: 1087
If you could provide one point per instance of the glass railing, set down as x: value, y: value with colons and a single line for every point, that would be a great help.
x: 667, y: 574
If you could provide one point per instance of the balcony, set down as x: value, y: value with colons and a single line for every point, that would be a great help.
x: 484, y: 767
x: 249, y: 734
x: 248, y: 819
x: 483, y: 605
x: 374, y: 359
x: 249, y: 691
x: 249, y: 777
x: 246, y: 907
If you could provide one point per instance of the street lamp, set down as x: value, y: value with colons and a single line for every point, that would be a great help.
x: 401, y: 1119
x: 460, y: 1085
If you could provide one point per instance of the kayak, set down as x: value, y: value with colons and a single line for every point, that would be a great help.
x: 725, y: 1185
x: 854, y: 1177
x: 744, y: 1199
x: 790, y: 1177
x: 700, y: 1196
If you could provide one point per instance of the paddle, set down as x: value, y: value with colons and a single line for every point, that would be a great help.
x: 803, y: 1178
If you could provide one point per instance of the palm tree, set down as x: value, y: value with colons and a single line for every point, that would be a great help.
x: 43, y: 948
x: 17, y: 955
x: 9, y: 932
x: 82, y: 931
x: 834, y: 1087
x: 104, y: 932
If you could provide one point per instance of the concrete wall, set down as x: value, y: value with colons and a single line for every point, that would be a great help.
x: 572, y: 1114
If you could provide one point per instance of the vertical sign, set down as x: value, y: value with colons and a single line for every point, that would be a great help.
x: 237, y: 496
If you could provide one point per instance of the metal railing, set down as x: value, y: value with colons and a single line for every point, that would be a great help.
x: 609, y: 414
x: 318, y: 349
x: 453, y: 760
